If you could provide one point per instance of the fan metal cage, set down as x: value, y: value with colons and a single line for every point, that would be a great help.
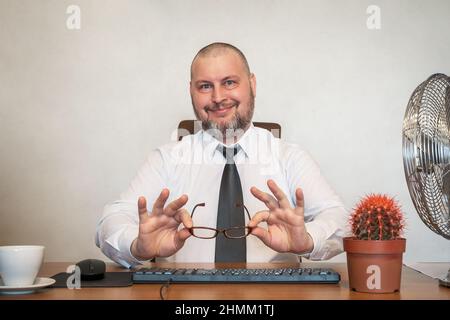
x: 426, y: 152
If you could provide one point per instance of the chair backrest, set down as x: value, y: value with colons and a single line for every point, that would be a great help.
x: 186, y: 127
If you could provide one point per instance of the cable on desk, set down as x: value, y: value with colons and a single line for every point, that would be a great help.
x: 164, y: 286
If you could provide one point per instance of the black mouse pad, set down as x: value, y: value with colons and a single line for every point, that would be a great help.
x: 111, y: 279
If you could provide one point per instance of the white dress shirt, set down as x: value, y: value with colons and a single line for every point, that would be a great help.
x: 194, y: 166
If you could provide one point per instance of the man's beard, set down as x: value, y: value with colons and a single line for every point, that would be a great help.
x: 235, y: 127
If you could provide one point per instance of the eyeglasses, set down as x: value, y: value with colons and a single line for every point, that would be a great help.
x: 230, y: 233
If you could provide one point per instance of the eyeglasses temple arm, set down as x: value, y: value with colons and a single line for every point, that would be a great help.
x: 195, y: 207
x: 246, y: 210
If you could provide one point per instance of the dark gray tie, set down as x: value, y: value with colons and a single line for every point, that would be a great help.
x: 228, y: 215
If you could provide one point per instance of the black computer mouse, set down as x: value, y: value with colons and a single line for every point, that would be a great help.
x: 92, y: 269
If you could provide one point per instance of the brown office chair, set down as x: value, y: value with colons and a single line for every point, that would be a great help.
x: 186, y: 127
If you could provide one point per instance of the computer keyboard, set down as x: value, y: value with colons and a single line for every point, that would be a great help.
x: 280, y: 275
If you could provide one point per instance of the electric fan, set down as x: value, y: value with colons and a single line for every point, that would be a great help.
x: 426, y: 154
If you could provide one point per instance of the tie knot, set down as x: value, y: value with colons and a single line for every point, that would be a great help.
x: 229, y: 153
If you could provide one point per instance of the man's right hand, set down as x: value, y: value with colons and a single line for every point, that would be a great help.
x: 158, y: 232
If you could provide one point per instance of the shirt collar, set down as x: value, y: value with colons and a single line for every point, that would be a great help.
x: 211, y: 144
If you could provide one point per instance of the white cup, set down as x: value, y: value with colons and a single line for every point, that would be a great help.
x: 19, y: 265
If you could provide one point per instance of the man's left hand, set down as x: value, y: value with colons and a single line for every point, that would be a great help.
x: 286, y: 226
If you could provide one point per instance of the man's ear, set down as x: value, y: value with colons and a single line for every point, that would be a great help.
x: 253, y: 83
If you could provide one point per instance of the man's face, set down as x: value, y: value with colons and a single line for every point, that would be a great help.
x: 222, y: 92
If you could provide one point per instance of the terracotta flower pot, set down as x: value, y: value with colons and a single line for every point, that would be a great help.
x: 374, y: 266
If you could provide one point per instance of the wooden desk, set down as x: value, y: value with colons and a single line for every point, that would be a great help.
x: 414, y: 286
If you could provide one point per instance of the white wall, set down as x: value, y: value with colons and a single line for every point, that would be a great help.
x: 80, y: 109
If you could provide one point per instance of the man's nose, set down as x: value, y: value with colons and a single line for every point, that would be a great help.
x: 218, y: 95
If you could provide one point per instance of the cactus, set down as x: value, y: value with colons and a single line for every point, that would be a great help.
x: 377, y: 217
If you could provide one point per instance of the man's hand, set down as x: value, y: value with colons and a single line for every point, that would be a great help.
x: 158, y: 232
x: 286, y: 226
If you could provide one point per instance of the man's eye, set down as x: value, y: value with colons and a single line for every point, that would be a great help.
x: 230, y: 83
x: 205, y: 86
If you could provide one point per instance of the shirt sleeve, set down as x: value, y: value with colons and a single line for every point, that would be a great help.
x: 119, y: 224
x: 325, y: 215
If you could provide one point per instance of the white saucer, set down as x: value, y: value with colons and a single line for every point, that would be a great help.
x: 38, y: 283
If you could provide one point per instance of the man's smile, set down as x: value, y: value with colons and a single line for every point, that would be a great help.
x: 221, y: 111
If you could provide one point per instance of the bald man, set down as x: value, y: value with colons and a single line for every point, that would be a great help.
x: 291, y: 210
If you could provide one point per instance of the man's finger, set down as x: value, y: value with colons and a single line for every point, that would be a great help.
x: 142, y: 209
x: 158, y: 206
x: 180, y: 238
x: 259, y: 217
x: 300, y: 199
x: 279, y: 194
x: 262, y: 234
x: 172, y: 207
x: 183, y: 216
x: 270, y: 202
